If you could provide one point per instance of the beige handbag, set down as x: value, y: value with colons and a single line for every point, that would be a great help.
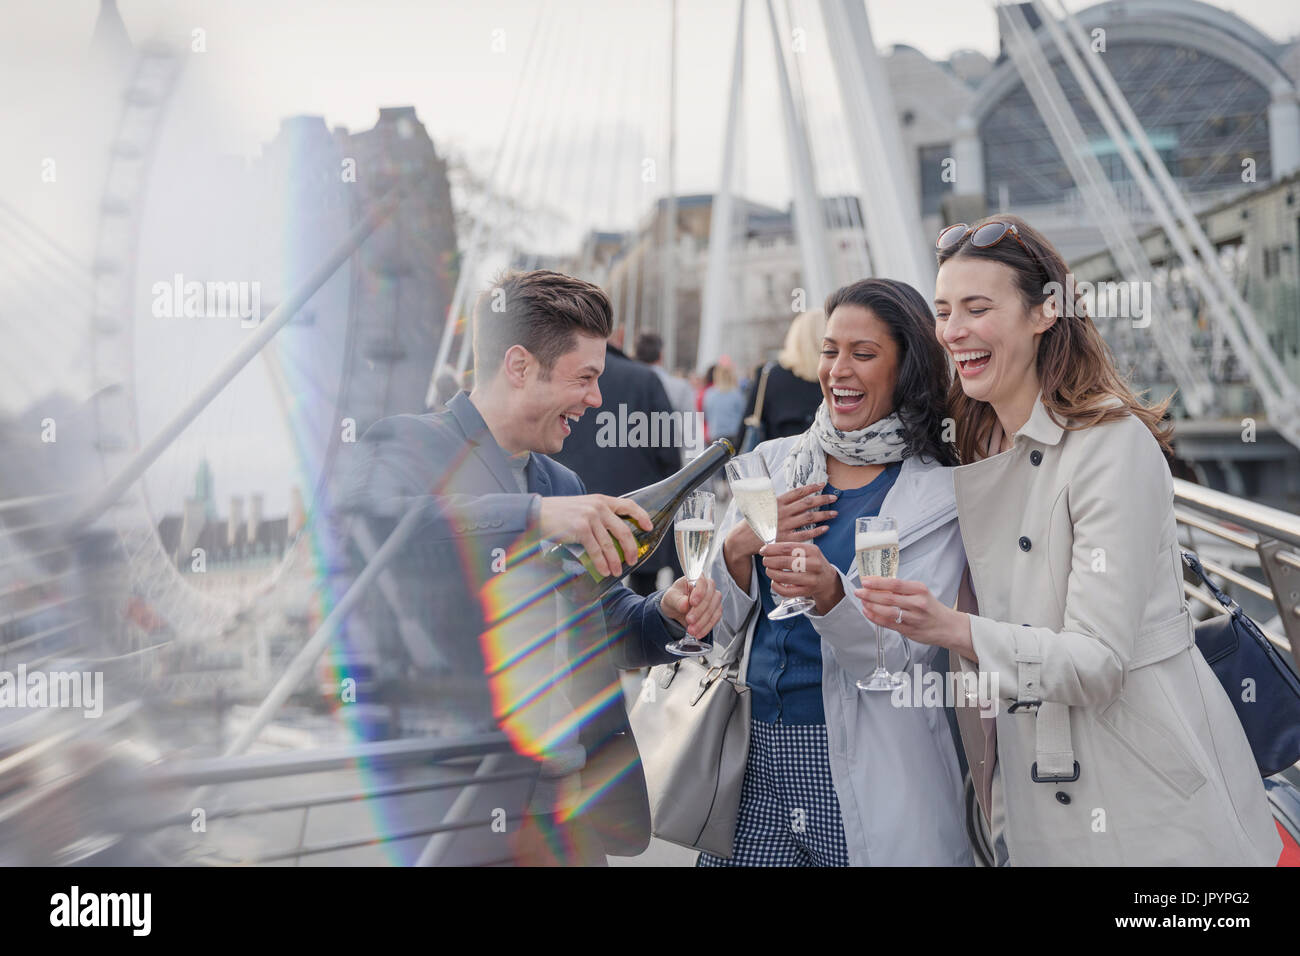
x: 691, y: 723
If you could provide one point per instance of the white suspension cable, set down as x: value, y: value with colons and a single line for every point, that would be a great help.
x: 1280, y: 395
x: 456, y: 305
x: 1068, y: 136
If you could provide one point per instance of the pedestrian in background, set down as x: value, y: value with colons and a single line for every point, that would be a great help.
x: 650, y: 350
x: 724, y: 404
x: 792, y: 394
x: 702, y: 385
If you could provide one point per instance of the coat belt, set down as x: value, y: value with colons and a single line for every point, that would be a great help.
x: 1053, y: 746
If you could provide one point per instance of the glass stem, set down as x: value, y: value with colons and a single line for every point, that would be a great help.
x: 880, y: 650
x: 689, y: 636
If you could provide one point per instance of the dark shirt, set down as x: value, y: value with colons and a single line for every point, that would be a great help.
x: 789, y: 402
x: 785, y: 659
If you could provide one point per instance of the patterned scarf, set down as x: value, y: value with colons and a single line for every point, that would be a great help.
x: 879, y: 443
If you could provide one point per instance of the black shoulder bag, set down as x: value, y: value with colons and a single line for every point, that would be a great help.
x: 1260, y: 682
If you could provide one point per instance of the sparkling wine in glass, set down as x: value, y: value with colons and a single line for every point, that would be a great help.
x: 693, y: 535
x: 751, y: 487
x: 876, y: 542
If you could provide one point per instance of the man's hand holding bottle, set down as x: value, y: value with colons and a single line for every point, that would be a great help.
x: 596, y: 522
x: 590, y: 520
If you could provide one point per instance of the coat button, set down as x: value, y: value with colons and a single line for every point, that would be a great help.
x: 1025, y: 543
x: 1035, y: 457
x: 1062, y: 796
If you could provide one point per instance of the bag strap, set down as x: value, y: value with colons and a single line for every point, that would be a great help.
x: 728, y: 662
x: 1191, y: 561
x: 734, y: 652
x: 1235, y: 610
x: 757, y: 415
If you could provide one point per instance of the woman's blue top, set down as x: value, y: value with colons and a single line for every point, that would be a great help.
x: 785, y: 660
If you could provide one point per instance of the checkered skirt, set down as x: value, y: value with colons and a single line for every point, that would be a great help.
x: 789, y: 814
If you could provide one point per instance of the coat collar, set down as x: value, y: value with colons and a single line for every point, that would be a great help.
x: 467, y: 417
x: 1043, y: 429
x: 1040, y: 427
x: 922, y: 498
x: 485, y: 445
x: 539, y: 482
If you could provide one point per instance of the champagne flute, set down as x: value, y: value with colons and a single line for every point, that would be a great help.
x: 751, y: 487
x: 693, y: 535
x: 876, y: 542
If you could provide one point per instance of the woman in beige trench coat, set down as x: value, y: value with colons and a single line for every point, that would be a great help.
x: 1115, y: 744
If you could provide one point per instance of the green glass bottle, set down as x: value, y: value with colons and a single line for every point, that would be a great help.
x: 660, y: 501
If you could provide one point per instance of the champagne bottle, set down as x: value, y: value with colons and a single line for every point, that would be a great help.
x: 660, y: 501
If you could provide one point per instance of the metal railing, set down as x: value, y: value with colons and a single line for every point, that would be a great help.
x: 472, y: 762
x: 1273, y: 536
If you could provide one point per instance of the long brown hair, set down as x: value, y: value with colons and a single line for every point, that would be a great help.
x: 1075, y: 366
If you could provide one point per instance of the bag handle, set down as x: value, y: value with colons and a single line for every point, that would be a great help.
x: 728, y: 663
x: 732, y: 661
x: 1191, y: 561
x: 756, y: 416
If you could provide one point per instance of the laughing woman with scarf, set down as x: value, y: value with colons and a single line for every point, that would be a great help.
x: 839, y: 776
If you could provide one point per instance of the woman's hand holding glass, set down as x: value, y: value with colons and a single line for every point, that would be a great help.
x: 909, y: 608
x: 799, y: 569
x: 796, y: 510
x: 756, y: 498
x: 794, y: 564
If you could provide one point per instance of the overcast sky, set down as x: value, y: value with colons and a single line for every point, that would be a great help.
x: 460, y: 63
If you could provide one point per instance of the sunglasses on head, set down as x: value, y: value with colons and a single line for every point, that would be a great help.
x: 989, y: 234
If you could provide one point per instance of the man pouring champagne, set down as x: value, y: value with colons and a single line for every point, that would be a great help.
x: 540, y: 642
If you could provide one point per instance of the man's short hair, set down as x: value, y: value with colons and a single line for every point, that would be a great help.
x: 541, y: 310
x: 649, y: 347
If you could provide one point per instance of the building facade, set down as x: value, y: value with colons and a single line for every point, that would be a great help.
x: 1216, y: 96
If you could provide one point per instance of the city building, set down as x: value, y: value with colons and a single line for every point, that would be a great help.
x: 1211, y: 90
x: 235, y: 553
x: 764, y: 267
x: 1218, y: 100
x: 1257, y: 237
